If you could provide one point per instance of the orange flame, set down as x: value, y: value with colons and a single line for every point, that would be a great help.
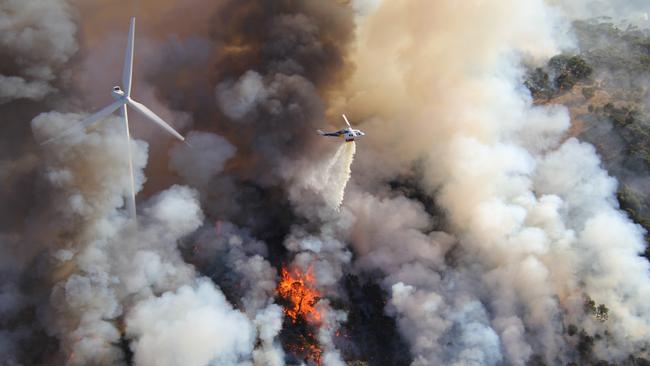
x: 299, y: 290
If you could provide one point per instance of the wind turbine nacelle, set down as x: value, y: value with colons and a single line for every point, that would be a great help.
x: 117, y: 92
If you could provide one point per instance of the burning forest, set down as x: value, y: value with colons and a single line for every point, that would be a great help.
x: 494, y: 210
x: 299, y: 296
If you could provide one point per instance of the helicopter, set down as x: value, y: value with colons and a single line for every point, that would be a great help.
x: 349, y: 134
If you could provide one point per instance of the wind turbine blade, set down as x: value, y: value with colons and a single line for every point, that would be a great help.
x: 90, y: 120
x: 154, y: 118
x: 127, y: 72
x: 130, y: 200
x: 346, y: 120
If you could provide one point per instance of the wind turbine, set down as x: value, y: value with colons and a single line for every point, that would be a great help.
x: 122, y: 100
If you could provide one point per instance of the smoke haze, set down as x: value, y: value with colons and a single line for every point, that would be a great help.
x: 483, y: 224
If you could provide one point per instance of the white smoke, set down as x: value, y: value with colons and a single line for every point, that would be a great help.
x: 438, y: 309
x: 71, y: 163
x: 202, y: 158
x: 234, y: 258
x: 606, y: 251
x: 531, y: 217
x: 15, y: 87
x: 269, y: 324
x: 37, y: 38
x: 239, y: 98
x: 330, y: 324
x: 193, y: 326
x: 527, y: 208
x: 111, y: 271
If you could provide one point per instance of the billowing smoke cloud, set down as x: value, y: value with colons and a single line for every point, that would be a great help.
x: 485, y: 225
x: 202, y: 158
x: 199, y: 328
x: 109, y: 266
x: 526, y: 246
x: 112, y: 273
x: 236, y: 261
x: 37, y: 40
